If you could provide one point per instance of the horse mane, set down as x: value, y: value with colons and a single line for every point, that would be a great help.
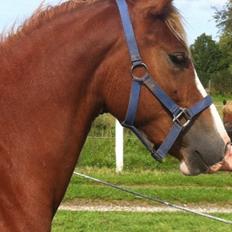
x: 174, y: 21
x: 44, y: 14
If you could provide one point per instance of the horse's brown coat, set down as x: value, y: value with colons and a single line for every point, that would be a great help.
x: 227, y: 117
x: 58, y: 72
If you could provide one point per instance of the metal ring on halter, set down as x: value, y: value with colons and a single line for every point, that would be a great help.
x: 142, y: 77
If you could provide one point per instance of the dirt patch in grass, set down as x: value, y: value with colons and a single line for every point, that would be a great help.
x: 136, y: 206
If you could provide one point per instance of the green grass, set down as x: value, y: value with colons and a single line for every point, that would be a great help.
x: 156, y: 178
x: 99, y: 152
x: 136, y: 222
x: 177, y: 194
x: 141, y: 174
x: 218, y: 99
x: 169, y: 185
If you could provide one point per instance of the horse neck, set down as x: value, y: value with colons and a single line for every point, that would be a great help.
x: 50, y: 93
x: 63, y: 57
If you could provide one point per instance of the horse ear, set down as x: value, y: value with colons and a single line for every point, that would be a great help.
x: 154, y: 7
x: 157, y: 7
x: 224, y: 102
x: 160, y: 6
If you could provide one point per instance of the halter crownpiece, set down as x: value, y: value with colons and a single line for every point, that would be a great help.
x: 181, y: 116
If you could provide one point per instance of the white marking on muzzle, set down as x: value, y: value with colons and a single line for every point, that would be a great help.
x: 184, y: 168
x: 214, y: 113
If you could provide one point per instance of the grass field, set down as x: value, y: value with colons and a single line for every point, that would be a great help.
x: 136, y: 222
x: 169, y: 185
x: 143, y: 174
x: 99, y: 153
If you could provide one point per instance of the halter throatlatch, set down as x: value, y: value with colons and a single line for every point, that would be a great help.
x: 181, y: 116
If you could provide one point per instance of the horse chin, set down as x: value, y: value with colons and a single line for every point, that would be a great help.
x: 191, y: 165
x: 224, y: 165
x: 187, y: 171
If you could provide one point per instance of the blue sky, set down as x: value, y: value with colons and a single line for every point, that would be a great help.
x: 198, y: 14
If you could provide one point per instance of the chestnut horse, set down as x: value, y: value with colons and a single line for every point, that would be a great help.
x: 64, y: 67
x: 227, y: 117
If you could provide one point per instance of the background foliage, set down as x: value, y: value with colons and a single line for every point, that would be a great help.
x: 213, y: 59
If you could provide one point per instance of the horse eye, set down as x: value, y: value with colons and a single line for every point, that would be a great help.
x: 179, y: 59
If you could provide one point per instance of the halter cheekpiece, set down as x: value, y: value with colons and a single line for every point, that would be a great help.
x: 181, y: 116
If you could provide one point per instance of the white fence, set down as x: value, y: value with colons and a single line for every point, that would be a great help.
x: 119, y: 146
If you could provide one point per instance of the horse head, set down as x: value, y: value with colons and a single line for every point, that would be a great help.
x: 227, y: 117
x: 162, y: 45
x: 69, y: 63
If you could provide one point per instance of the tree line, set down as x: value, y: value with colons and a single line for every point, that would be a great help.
x: 213, y: 59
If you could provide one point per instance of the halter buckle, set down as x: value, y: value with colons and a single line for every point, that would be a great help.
x: 183, y: 118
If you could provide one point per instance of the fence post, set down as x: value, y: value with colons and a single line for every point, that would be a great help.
x: 209, y: 87
x: 119, y: 146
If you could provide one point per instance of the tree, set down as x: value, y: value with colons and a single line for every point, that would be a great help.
x: 224, y: 18
x: 213, y: 60
x: 207, y: 57
x: 224, y: 22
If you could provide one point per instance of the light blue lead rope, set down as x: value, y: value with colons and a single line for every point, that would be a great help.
x: 154, y: 199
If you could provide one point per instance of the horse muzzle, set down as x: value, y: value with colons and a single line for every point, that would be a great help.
x: 197, y: 163
x: 223, y: 165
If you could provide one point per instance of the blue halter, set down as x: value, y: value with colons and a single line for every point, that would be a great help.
x: 181, y: 116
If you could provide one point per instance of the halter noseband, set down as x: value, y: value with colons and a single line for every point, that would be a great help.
x: 181, y: 116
